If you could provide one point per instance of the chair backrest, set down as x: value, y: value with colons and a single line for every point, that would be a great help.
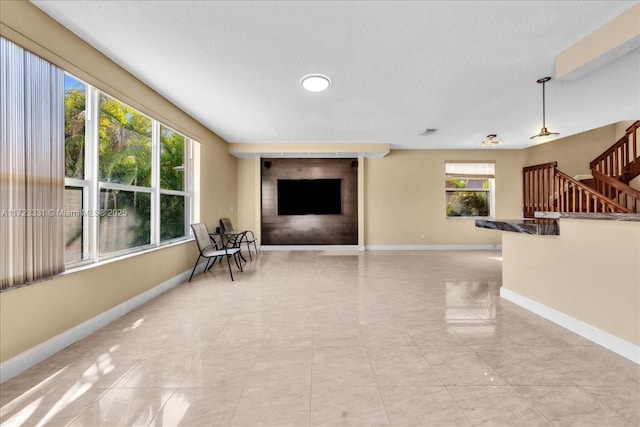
x: 202, y: 235
x: 225, y: 225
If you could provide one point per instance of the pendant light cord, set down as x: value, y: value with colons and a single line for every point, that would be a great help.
x: 544, y: 125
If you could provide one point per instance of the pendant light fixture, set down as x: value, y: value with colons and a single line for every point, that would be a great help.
x: 544, y: 132
x: 492, y: 139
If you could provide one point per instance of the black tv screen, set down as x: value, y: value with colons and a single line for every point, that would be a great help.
x: 309, y: 197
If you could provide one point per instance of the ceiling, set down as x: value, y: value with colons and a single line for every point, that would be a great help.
x: 467, y: 69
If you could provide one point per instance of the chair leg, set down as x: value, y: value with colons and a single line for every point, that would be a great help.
x: 214, y: 261
x: 229, y: 264
x: 194, y: 267
x: 238, y: 262
x: 249, y: 250
x: 235, y: 259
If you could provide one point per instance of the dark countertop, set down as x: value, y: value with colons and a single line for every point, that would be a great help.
x: 543, y: 227
x: 546, y: 223
x: 594, y: 216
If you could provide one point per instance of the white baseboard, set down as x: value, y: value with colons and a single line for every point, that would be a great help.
x: 23, y: 361
x: 433, y: 247
x: 309, y: 247
x: 616, y: 344
x: 380, y: 248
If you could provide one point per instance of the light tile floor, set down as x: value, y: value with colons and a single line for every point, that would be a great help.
x: 331, y: 339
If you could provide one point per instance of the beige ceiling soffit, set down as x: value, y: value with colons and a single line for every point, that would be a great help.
x: 614, y: 39
x: 287, y: 149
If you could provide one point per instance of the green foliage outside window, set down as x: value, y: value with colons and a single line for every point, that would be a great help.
x: 461, y: 202
x: 74, y: 122
x: 171, y: 216
x: 124, y: 144
x: 468, y: 203
x: 171, y: 160
x: 172, y: 177
x: 125, y: 157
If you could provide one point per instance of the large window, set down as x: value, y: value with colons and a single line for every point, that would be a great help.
x: 469, y: 189
x: 127, y: 177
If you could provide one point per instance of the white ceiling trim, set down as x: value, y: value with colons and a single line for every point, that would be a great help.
x: 303, y: 150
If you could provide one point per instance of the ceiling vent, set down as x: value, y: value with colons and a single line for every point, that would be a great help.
x: 427, y: 132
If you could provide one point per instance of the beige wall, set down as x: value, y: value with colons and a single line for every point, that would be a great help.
x: 249, y: 195
x: 574, y: 153
x: 35, y: 313
x: 218, y: 182
x: 563, y: 272
x: 404, y: 197
x: 32, y: 314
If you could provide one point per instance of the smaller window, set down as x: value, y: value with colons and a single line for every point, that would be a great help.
x: 469, y: 189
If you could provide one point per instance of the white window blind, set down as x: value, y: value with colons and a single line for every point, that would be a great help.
x: 484, y: 170
x: 31, y: 166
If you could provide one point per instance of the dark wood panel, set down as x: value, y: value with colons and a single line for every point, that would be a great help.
x: 310, y: 229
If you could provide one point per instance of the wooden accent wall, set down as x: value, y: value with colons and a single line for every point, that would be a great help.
x: 310, y: 229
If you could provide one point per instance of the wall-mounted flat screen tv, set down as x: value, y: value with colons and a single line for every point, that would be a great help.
x: 309, y: 197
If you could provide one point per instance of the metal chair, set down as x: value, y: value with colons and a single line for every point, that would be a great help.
x: 210, y: 251
x: 246, y: 236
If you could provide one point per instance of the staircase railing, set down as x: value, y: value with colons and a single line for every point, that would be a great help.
x: 617, y: 190
x: 548, y: 189
x: 622, y: 157
x: 538, y: 194
x: 574, y: 196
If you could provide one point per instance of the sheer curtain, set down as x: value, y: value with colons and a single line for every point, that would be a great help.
x: 31, y: 167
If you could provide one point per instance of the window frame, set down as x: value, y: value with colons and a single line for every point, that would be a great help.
x: 92, y: 185
x: 187, y: 191
x: 490, y: 191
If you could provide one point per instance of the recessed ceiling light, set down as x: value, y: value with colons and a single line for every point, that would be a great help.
x: 315, y: 82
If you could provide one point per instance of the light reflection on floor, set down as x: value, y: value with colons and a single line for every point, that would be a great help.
x: 307, y: 338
